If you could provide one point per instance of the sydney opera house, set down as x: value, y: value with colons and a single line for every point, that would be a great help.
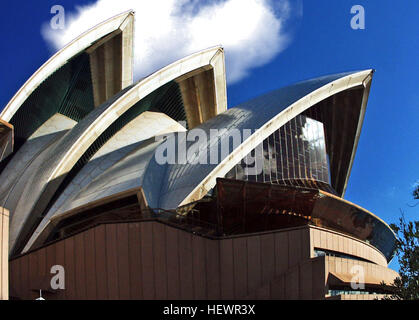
x: 157, y: 190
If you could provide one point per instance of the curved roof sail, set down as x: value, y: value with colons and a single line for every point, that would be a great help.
x: 264, y: 115
x: 89, y: 42
x: 86, y: 72
x: 161, y: 91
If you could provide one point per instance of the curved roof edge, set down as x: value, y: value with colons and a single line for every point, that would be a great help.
x: 82, y: 42
x: 355, y: 79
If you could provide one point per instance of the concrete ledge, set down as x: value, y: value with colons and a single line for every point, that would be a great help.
x: 4, y: 254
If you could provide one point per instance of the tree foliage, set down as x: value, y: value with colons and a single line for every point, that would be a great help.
x: 407, y: 285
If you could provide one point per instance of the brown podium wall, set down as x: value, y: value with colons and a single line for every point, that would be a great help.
x: 151, y: 260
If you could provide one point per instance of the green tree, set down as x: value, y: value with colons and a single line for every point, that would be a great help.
x: 406, y: 287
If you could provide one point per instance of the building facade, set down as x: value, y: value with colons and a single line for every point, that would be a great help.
x: 155, y: 190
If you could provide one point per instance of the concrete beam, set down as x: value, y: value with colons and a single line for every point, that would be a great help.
x: 6, y: 139
x: 4, y: 254
x: 191, y: 102
x: 111, y: 62
x: 199, y: 96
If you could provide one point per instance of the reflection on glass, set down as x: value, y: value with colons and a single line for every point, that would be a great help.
x: 293, y: 155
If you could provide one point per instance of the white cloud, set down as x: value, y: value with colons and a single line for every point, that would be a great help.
x: 251, y: 31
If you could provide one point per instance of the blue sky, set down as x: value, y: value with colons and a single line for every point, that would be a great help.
x: 387, y: 161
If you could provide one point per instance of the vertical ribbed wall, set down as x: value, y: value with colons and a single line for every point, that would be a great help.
x: 150, y: 260
x: 294, y: 155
